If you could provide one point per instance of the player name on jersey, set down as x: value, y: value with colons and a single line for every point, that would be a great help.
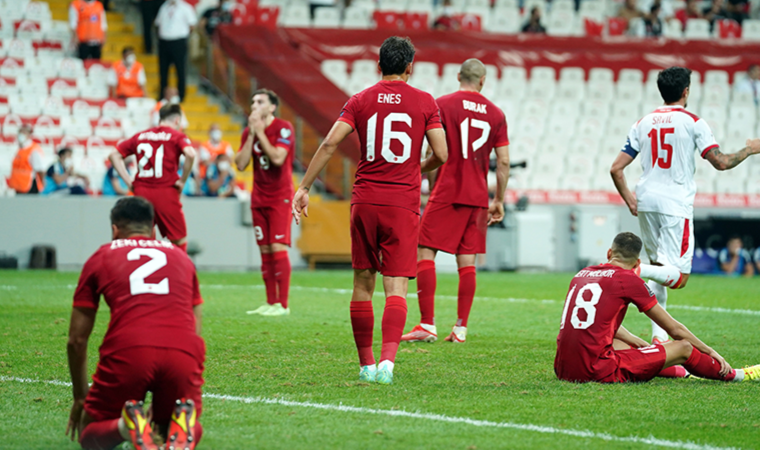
x: 152, y: 136
x: 122, y: 243
x: 391, y: 99
x: 474, y: 107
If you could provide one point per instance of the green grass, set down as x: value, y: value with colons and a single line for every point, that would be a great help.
x: 503, y: 373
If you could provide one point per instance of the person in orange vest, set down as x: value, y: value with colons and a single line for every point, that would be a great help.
x: 87, y: 20
x: 212, y: 148
x: 127, y: 78
x: 28, y: 169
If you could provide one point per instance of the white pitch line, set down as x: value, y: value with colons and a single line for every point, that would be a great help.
x: 586, y: 434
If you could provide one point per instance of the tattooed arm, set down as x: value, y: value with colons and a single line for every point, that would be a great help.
x: 722, y: 161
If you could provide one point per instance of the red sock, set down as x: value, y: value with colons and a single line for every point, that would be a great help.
x: 282, y: 276
x: 426, y: 290
x: 363, y: 323
x: 466, y: 294
x: 267, y: 273
x: 104, y: 434
x: 673, y: 372
x: 394, y: 319
x: 705, y: 366
x: 182, y: 246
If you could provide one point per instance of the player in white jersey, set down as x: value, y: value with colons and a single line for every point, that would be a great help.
x: 666, y: 139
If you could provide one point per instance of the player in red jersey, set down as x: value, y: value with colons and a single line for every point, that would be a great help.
x: 594, y: 346
x: 391, y: 119
x: 158, y: 152
x: 152, y: 343
x: 272, y: 147
x: 458, y: 212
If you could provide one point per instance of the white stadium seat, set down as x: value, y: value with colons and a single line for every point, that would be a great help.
x: 751, y: 30
x: 716, y: 77
x: 572, y: 75
x: 336, y: 71
x: 600, y: 74
x: 326, y: 17
x: 296, y: 15
x: 429, y: 69
x: 697, y: 29
x: 504, y: 21
x: 364, y: 66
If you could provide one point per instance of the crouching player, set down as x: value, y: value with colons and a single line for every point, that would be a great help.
x: 152, y: 343
x: 593, y: 346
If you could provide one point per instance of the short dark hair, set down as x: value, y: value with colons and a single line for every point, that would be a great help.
x: 127, y: 49
x: 169, y: 110
x: 273, y: 98
x: 752, y: 66
x: 627, y: 246
x: 63, y: 151
x: 672, y: 81
x: 133, y: 213
x: 396, y: 54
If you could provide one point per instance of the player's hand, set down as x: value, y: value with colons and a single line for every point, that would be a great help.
x: 255, y: 121
x: 754, y: 145
x: 633, y: 207
x: 300, y: 204
x: 725, y: 368
x: 495, y: 212
x: 179, y: 185
x: 75, y: 420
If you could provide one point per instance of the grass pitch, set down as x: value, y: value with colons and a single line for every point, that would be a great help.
x: 280, y: 382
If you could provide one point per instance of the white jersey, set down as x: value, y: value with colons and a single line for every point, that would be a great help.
x: 666, y: 139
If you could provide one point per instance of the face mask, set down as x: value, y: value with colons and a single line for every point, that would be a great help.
x: 131, y: 59
x: 216, y: 135
x: 23, y: 139
x: 226, y: 7
x: 174, y: 100
x: 68, y: 164
x: 224, y: 166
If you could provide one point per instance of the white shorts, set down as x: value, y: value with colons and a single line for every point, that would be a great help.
x: 668, y: 240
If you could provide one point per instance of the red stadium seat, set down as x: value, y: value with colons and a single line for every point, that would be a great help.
x: 617, y: 26
x: 469, y: 22
x: 387, y: 20
x: 729, y: 29
x: 266, y: 16
x: 593, y: 28
x: 416, y: 21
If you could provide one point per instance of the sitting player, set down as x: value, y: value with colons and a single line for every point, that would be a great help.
x: 152, y: 342
x: 593, y: 346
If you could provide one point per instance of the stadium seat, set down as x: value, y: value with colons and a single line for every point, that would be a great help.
x: 629, y: 92
x: 140, y: 105
x: 716, y: 77
x: 81, y: 108
x: 572, y: 75
x: 672, y: 29
x: 296, y: 15
x: 357, y: 17
x: 574, y: 92
x: 336, y: 71
x: 479, y: 3
x: 729, y: 184
x: 600, y: 74
x: 64, y: 89
x: 55, y: 107
x: 630, y: 76
x: 565, y: 108
x: 416, y: 21
x: 535, y: 107
x: 697, y: 29
x: 602, y: 91
x: 71, y: 68
x: 506, y: 4
x: 504, y: 21
x: 743, y: 113
x: 542, y: 74
x: 529, y: 4
x: 113, y: 110
x: 751, y: 30
x: 108, y: 129
x: 364, y: 67
x: 393, y: 5
x: 326, y: 17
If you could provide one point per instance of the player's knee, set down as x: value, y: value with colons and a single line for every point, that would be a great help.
x: 685, y: 349
x: 265, y: 249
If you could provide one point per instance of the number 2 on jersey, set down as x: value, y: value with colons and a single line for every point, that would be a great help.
x: 137, y: 284
x: 158, y: 164
x: 667, y: 161
x: 464, y: 130
x: 588, y: 306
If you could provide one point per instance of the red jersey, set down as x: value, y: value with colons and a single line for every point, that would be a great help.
x: 594, y: 310
x: 474, y: 126
x: 272, y: 185
x: 150, y: 287
x: 391, y: 118
x: 158, y: 151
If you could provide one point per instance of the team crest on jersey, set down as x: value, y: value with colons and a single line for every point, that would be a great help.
x: 285, y: 133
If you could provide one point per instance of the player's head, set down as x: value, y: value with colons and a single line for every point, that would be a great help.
x: 265, y: 101
x: 170, y: 115
x: 396, y: 56
x: 734, y: 244
x: 132, y: 216
x: 472, y: 74
x: 171, y: 95
x: 625, y: 250
x: 673, y: 84
x: 128, y: 55
x: 754, y: 71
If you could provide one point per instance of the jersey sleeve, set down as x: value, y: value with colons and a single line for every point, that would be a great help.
x: 127, y: 147
x: 502, y: 138
x: 348, y: 113
x: 433, y: 116
x: 703, y: 137
x: 285, y: 137
x: 87, y: 294
x: 197, y: 299
x: 637, y: 292
x: 632, y: 145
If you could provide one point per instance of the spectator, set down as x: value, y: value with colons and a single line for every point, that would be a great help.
x: 149, y: 11
x: 113, y: 184
x: 446, y: 21
x: 212, y: 148
x: 691, y: 12
x: 219, y: 179
x: 87, y: 20
x: 652, y: 21
x: 714, y: 12
x: 127, y: 77
x: 751, y: 84
x: 534, y: 23
x: 738, y: 10
x: 630, y: 10
x: 171, y: 95
x: 61, y: 177
x: 213, y: 17
x: 28, y: 169
x: 175, y: 21
x: 734, y: 259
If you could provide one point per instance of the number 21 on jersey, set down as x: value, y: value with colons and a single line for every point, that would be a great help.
x: 146, y: 150
x: 587, y: 306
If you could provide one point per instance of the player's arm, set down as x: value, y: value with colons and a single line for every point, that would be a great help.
x: 277, y: 154
x: 337, y: 134
x: 722, y: 161
x: 198, y: 317
x: 436, y: 138
x: 749, y: 271
x: 496, y: 209
x: 629, y: 338
x: 117, y: 160
x: 728, y: 263
x: 80, y: 328
x: 243, y: 157
x: 187, y: 168
x: 623, y: 160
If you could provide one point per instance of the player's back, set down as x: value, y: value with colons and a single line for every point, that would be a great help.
x: 666, y: 140
x: 158, y: 152
x: 391, y: 119
x: 150, y: 287
x: 595, y: 307
x: 474, y: 126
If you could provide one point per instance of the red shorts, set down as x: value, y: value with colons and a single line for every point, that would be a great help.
x: 455, y: 229
x: 168, y: 209
x: 271, y: 224
x: 129, y: 373
x: 637, y: 364
x: 384, y: 238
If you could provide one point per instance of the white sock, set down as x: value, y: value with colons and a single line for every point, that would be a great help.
x: 386, y: 365
x: 123, y: 431
x: 429, y: 328
x: 739, y: 375
x: 371, y: 366
x: 661, y: 292
x: 665, y: 275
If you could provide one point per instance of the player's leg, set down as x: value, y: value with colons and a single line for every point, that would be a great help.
x: 696, y: 362
x: 426, y: 283
x: 280, y: 219
x: 169, y: 216
x: 675, y: 371
x: 261, y: 232
x: 394, y: 319
x: 671, y: 244
x: 650, y: 224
